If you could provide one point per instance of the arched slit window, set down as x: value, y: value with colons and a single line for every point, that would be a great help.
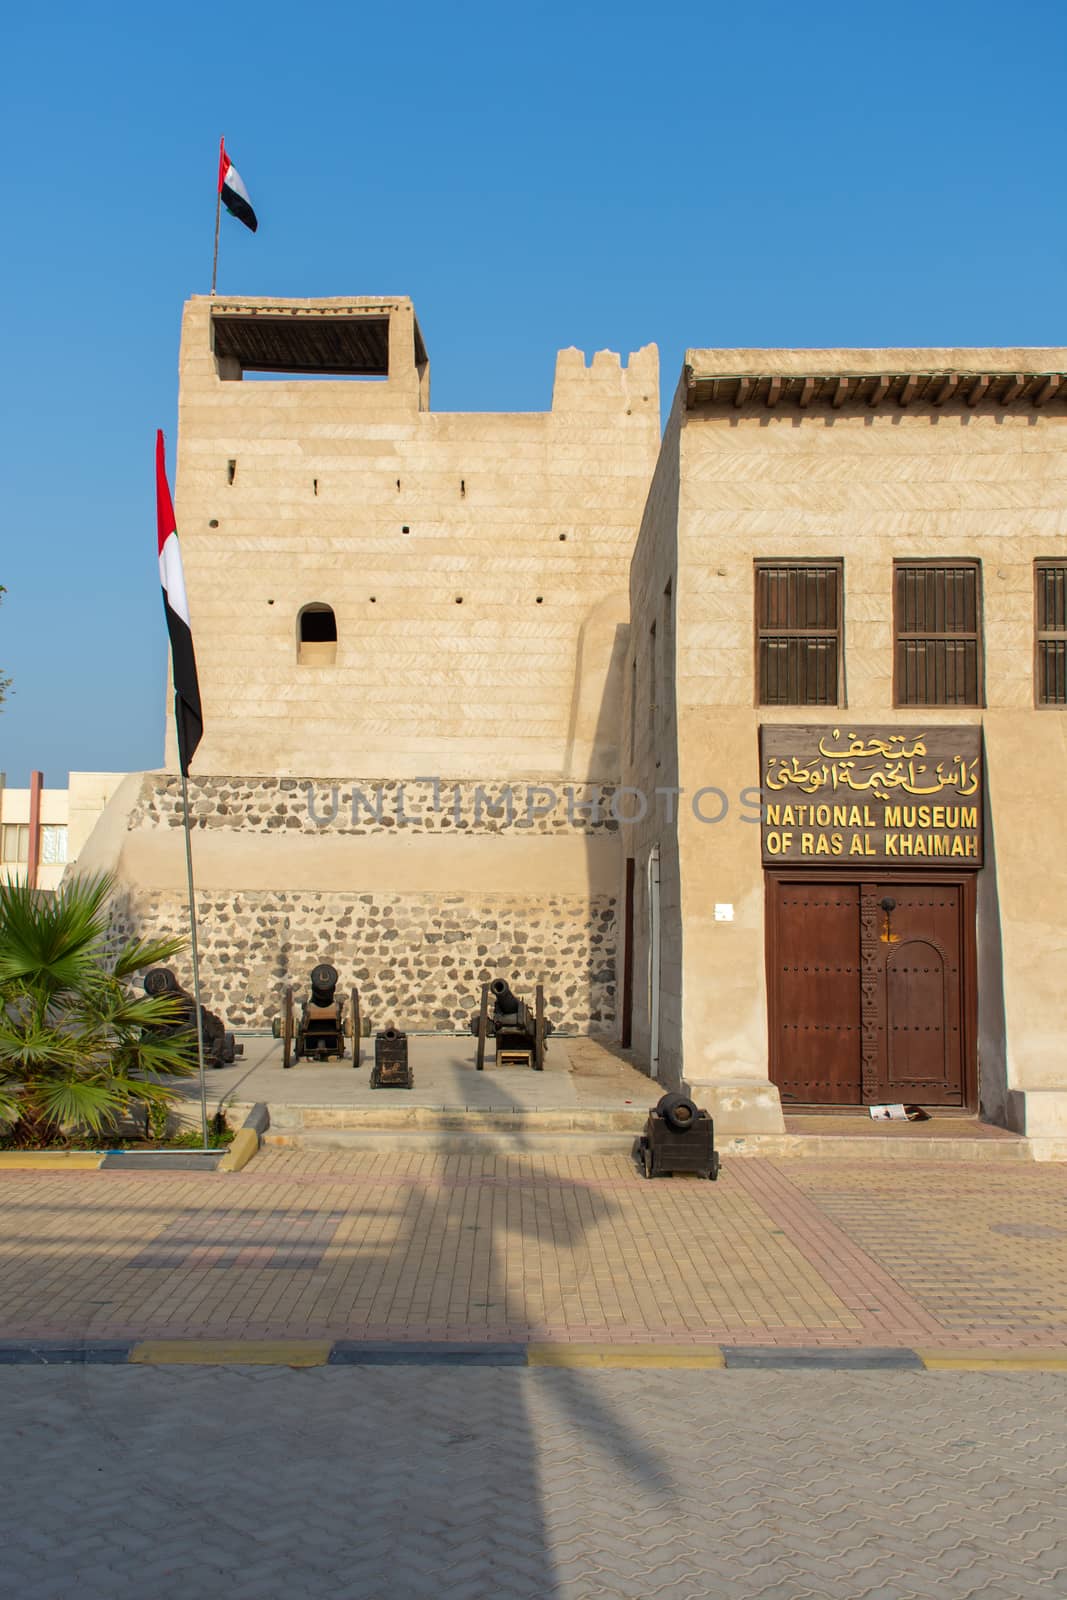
x: 316, y: 636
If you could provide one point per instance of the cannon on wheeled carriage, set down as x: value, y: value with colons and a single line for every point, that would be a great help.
x: 220, y: 1047
x: 520, y: 1030
x: 318, y: 1027
x: 678, y: 1137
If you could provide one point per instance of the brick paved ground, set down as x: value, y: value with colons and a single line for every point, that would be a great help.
x: 432, y: 1484
x: 417, y: 1247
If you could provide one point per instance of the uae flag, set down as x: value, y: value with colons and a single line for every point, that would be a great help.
x: 232, y: 191
x: 187, y: 713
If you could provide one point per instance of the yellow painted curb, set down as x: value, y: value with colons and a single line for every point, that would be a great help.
x: 994, y: 1360
x: 245, y: 1145
x: 232, y: 1352
x: 623, y: 1355
x: 42, y: 1160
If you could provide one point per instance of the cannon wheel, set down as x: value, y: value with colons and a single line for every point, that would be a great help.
x: 539, y: 1029
x: 287, y: 1028
x: 483, y: 1024
x: 355, y: 1022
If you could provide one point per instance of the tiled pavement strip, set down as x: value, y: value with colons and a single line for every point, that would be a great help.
x: 948, y: 1256
x: 341, y: 1483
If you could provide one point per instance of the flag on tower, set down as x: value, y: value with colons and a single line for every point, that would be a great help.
x: 187, y: 710
x: 232, y: 191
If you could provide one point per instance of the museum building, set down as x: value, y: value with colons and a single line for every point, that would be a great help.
x: 743, y: 740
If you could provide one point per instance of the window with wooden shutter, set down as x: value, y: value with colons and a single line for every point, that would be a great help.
x: 938, y: 630
x: 798, y: 632
x: 1050, y: 660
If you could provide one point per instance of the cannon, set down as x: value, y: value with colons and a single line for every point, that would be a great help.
x: 391, y: 1069
x: 220, y: 1047
x: 520, y: 1030
x: 678, y: 1137
x: 320, y: 1027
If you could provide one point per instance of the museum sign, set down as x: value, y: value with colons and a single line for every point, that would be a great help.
x: 900, y: 796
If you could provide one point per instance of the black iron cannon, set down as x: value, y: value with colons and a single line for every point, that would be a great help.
x: 220, y: 1047
x: 520, y: 1030
x: 679, y: 1137
x: 391, y: 1069
x: 321, y: 1027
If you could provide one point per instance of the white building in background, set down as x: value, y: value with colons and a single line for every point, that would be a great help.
x: 42, y: 830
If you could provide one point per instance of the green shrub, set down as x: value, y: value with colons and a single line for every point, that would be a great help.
x: 77, y: 1046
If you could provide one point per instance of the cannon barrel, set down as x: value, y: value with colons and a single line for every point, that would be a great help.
x: 323, y: 984
x: 160, y: 980
x: 502, y: 996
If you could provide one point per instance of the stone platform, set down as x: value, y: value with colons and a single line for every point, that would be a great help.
x: 591, y: 1099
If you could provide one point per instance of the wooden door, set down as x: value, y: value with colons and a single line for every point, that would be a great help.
x: 870, y: 1001
x: 921, y: 1039
x: 814, y: 985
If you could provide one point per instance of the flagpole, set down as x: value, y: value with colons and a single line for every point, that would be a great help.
x: 218, y: 212
x: 195, y: 954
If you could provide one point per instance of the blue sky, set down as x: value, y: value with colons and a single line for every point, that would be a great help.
x: 592, y: 174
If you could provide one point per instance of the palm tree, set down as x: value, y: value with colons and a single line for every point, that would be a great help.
x: 77, y: 1046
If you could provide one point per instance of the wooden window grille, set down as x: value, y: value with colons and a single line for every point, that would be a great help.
x: 798, y: 632
x: 1050, y: 663
x: 938, y: 633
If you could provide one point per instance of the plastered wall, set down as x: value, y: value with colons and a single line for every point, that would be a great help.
x: 484, y: 640
x: 869, y: 486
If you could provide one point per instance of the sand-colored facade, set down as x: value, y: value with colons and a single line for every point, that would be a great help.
x: 476, y: 564
x: 761, y: 476
x: 533, y: 747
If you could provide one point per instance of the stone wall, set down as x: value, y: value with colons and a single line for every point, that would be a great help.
x: 364, y: 807
x: 418, y: 960
x: 417, y: 892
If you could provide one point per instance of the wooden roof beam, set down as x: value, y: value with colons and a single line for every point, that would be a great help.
x: 840, y: 393
x: 910, y: 385
x: 880, y: 390
x: 744, y: 389
x: 946, y: 388
x: 1014, y: 389
x: 978, y: 389
x: 806, y: 393
x: 1049, y: 388
x: 774, y: 391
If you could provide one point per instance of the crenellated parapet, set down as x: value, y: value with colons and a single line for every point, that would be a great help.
x: 606, y: 385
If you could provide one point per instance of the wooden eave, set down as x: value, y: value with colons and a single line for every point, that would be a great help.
x: 342, y: 341
x: 869, y: 390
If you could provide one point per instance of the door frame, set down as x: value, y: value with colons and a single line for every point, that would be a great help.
x: 966, y: 882
x: 627, y: 1032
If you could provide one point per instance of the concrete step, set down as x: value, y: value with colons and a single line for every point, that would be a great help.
x: 457, y: 1141
x: 542, y: 1133
x: 872, y: 1147
x: 401, y: 1115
